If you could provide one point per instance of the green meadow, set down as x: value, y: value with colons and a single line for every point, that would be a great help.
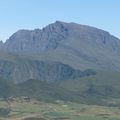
x: 60, y: 110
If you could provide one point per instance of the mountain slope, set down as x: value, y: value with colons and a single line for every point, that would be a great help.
x: 1, y: 44
x: 19, y: 70
x: 30, y: 54
x: 102, y: 88
x: 80, y: 46
x: 55, y: 63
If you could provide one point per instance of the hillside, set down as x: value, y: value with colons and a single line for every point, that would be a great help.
x: 100, y: 89
x: 19, y: 70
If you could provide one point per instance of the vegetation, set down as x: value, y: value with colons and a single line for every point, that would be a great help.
x: 101, y: 88
x: 92, y: 97
x: 38, y: 110
x: 4, y: 112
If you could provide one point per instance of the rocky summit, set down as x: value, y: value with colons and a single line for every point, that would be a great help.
x: 59, y: 34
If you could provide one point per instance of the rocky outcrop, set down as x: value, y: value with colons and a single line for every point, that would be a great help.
x: 30, y: 41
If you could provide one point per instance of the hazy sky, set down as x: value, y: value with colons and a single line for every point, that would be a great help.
x: 30, y: 14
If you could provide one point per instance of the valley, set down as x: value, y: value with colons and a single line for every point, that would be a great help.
x: 60, y: 110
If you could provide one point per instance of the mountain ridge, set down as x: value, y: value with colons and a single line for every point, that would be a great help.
x: 58, y: 29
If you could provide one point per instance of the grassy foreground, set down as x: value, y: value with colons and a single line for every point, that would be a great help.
x: 36, y: 110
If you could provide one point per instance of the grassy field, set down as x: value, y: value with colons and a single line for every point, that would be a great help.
x: 36, y: 110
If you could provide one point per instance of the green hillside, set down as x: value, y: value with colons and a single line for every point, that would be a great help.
x: 100, y: 89
x: 7, y: 88
x: 92, y: 97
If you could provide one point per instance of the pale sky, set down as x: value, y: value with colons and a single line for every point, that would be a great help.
x: 31, y: 14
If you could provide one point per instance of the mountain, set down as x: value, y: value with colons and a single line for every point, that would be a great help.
x: 58, y: 34
x: 80, y: 46
x: 65, y: 61
x: 1, y: 44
